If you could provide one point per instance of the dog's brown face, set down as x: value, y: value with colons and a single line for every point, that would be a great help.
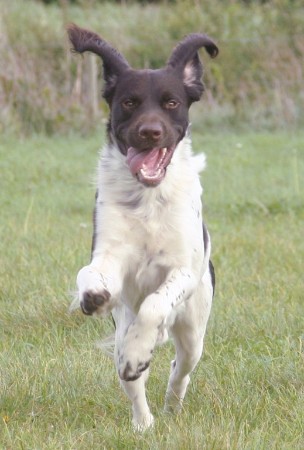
x: 149, y: 116
x: 149, y: 108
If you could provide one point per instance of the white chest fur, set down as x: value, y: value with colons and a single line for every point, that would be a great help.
x: 150, y: 230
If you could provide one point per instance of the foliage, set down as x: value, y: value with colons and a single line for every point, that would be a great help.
x: 59, y: 392
x: 257, y: 78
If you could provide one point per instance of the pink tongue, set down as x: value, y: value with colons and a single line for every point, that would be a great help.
x: 147, y: 159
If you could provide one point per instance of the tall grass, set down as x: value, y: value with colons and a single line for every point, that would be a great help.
x: 257, y: 78
x: 57, y: 391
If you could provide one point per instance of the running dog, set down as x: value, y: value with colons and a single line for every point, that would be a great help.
x: 150, y: 264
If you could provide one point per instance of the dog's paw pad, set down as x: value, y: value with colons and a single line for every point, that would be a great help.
x: 129, y: 373
x: 91, y: 301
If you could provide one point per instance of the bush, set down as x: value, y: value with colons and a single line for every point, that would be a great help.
x: 257, y: 78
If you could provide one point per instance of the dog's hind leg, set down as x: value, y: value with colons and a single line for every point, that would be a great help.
x: 188, y: 333
x: 188, y: 352
x: 135, y: 390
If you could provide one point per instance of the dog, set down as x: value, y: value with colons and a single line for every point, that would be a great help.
x: 150, y: 264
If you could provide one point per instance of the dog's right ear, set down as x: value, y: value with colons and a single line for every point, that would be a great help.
x: 114, y: 63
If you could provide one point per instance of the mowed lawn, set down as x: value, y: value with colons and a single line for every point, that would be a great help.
x: 58, y: 391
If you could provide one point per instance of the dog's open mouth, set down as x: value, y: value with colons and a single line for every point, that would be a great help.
x: 149, y: 166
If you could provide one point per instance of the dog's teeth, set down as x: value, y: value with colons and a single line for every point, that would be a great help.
x: 164, y: 152
x: 150, y: 177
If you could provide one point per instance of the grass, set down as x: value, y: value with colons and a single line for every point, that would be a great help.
x: 58, y: 392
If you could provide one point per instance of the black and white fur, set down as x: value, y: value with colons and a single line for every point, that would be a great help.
x: 150, y: 263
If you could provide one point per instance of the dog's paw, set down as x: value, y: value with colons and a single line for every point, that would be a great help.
x: 143, y: 422
x: 93, y: 294
x: 94, y: 302
x: 173, y: 403
x: 176, y: 391
x: 136, y: 353
x: 131, y: 370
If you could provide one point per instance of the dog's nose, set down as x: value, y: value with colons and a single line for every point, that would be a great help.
x: 150, y: 132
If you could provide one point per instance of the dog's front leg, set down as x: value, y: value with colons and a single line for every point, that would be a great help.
x: 99, y: 285
x: 142, y: 334
x: 135, y: 390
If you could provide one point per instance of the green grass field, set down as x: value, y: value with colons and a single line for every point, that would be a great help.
x: 57, y: 391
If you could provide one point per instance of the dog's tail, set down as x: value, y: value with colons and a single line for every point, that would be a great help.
x: 199, y: 162
x: 107, y: 345
x: 75, y: 303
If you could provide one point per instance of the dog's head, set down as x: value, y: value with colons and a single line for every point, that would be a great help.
x: 149, y: 108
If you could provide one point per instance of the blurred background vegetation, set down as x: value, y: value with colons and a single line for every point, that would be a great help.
x: 257, y: 80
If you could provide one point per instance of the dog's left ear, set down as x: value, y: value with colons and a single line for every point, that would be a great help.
x: 185, y: 60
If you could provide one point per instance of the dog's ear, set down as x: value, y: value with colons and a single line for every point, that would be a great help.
x: 114, y: 63
x: 185, y: 60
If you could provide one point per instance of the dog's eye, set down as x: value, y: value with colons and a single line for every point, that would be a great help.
x: 171, y: 104
x: 129, y: 103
